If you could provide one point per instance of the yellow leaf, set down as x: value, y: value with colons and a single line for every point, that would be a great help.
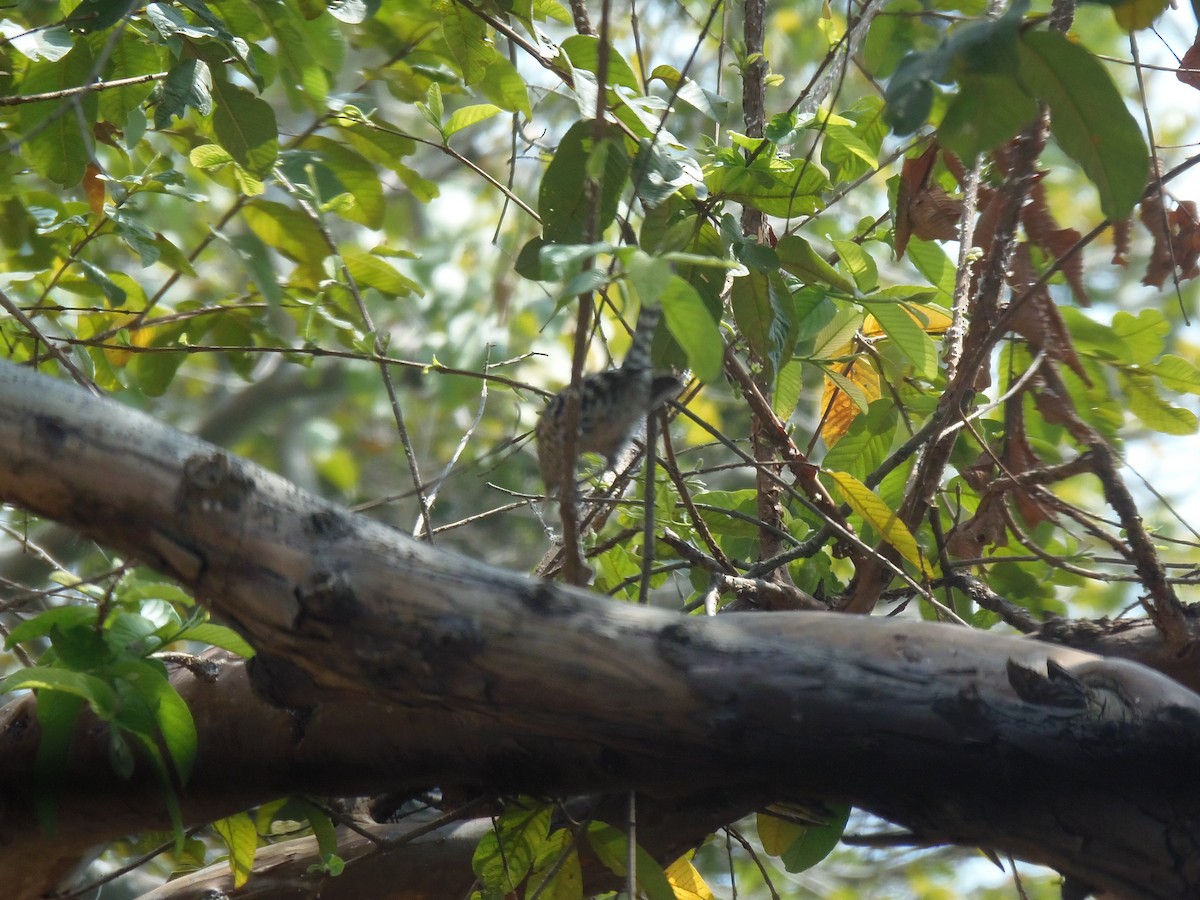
x: 776, y: 833
x: 686, y: 882
x: 237, y: 831
x: 867, y: 504
x: 840, y: 408
x: 932, y: 319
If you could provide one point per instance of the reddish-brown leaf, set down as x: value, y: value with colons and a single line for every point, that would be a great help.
x: 1121, y: 232
x: 1176, y: 240
x: 1020, y: 457
x: 1044, y: 231
x: 1189, y: 67
x: 93, y: 189
x: 934, y: 214
x: 1037, y: 319
x: 968, y: 539
x: 914, y: 175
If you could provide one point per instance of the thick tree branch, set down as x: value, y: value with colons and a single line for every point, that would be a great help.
x: 1025, y: 736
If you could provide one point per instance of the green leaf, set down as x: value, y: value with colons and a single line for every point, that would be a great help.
x: 1134, y: 15
x: 1088, y: 118
x: 171, y: 715
x: 287, y: 230
x: 789, y: 385
x: 97, y: 692
x: 862, y: 267
x: 322, y: 827
x: 1144, y: 334
x: 1176, y: 374
x: 612, y: 849
x: 131, y: 56
x: 867, y: 504
x: 846, y: 154
x: 583, y: 50
x: 866, y: 443
x: 691, y: 324
x: 189, y: 83
x: 61, y: 617
x: 931, y: 261
x: 658, y: 172
x: 712, y: 105
x: 815, y: 842
x: 504, y: 86
x: 57, y: 135
x: 355, y: 173
x: 245, y: 126
x: 556, y: 873
x: 467, y: 116
x: 563, y: 197
x: 764, y: 313
x: 987, y: 111
x: 836, y: 333
x: 217, y: 636
x: 908, y: 337
x: 904, y: 27
x: 814, y: 311
x: 851, y: 389
x: 798, y: 257
x: 467, y: 39
x: 371, y: 271
x: 1148, y: 405
x: 1093, y: 338
x: 50, y: 44
x: 505, y: 855
x: 239, y: 835
x: 775, y: 186
x: 910, y: 91
x: 57, y: 712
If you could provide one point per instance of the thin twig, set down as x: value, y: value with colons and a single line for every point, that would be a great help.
x: 52, y: 348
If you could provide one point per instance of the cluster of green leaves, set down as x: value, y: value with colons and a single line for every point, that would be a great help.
x: 527, y: 852
x: 243, y: 833
x: 101, y: 655
x: 1002, y: 68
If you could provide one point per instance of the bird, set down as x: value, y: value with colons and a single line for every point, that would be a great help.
x: 613, y: 406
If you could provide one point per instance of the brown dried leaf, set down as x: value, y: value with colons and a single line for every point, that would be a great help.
x: 1038, y: 320
x: 954, y: 166
x: 980, y: 473
x: 1189, y: 67
x: 1019, y: 457
x: 1122, y: 232
x: 93, y: 188
x: 1054, y: 407
x: 914, y: 175
x: 967, y: 540
x: 934, y: 214
x: 1043, y: 231
x: 1176, y: 239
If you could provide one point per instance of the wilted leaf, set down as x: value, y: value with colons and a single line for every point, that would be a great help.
x: 1176, y: 236
x: 1038, y: 320
x: 1044, y: 231
x: 968, y: 540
